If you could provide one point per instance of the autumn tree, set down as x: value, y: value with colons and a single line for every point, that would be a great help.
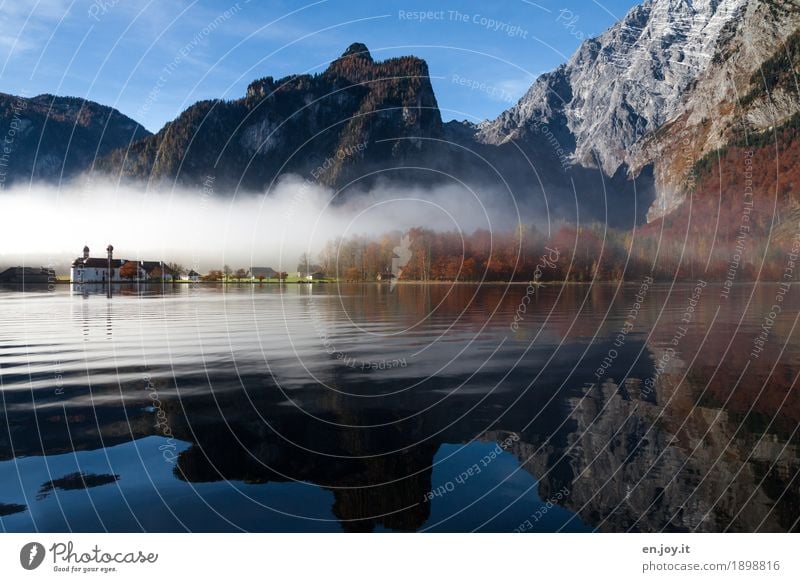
x: 129, y: 270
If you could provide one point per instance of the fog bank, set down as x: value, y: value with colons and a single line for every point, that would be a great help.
x: 205, y: 229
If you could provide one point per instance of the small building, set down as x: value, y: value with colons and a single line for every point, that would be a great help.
x: 310, y: 272
x: 258, y: 273
x: 193, y: 276
x: 27, y: 276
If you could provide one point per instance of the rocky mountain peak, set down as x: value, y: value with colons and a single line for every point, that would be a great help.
x: 359, y: 115
x: 623, y: 84
x: 749, y: 89
x: 358, y: 50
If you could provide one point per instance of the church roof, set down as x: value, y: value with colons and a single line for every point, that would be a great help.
x: 96, y: 263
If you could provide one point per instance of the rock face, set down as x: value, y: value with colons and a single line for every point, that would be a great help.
x: 623, y: 84
x: 359, y: 116
x: 671, y: 82
x: 751, y: 89
x: 50, y: 138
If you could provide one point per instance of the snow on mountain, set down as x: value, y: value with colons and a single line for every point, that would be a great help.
x: 623, y: 84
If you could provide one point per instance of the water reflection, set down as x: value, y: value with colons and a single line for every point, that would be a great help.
x: 74, y: 481
x: 259, y: 408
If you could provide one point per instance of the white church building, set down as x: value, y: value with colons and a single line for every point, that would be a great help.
x: 87, y: 269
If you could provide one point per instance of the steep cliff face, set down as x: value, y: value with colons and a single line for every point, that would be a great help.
x: 668, y: 85
x: 623, y: 84
x: 751, y: 89
x: 50, y: 138
x: 358, y: 116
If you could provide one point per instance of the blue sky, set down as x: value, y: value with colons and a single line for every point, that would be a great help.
x: 153, y: 58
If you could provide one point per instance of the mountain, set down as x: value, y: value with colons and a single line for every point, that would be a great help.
x: 727, y: 164
x: 359, y: 116
x: 749, y: 92
x: 620, y: 86
x: 620, y: 134
x: 50, y: 138
x: 660, y: 93
x: 360, y: 122
x: 579, y: 126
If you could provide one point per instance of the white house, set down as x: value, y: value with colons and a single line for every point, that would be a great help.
x: 86, y: 269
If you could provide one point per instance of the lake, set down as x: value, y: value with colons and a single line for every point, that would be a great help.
x: 576, y: 408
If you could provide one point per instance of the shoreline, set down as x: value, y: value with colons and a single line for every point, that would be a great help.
x: 381, y: 283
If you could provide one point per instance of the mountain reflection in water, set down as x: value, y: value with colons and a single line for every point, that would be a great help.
x: 360, y: 408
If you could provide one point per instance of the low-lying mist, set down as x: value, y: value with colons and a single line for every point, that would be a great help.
x: 205, y: 229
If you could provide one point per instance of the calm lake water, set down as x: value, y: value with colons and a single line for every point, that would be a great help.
x: 418, y: 408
